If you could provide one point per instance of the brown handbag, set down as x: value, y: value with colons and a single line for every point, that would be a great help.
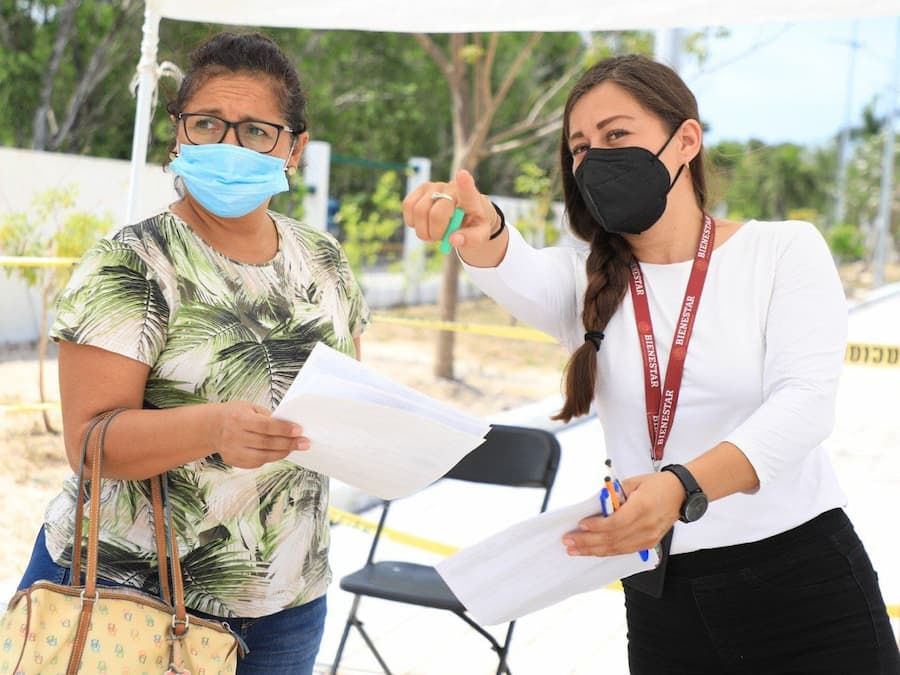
x: 66, y: 629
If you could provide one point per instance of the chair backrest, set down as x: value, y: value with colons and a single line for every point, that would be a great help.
x: 513, y: 456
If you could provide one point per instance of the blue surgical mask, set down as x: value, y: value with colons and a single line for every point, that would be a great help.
x: 228, y: 180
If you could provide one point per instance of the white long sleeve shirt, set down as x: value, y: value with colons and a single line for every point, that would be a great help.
x: 761, y: 371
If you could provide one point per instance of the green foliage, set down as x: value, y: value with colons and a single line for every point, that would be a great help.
x: 290, y: 203
x: 697, y: 42
x: 367, y: 223
x: 756, y: 180
x: 51, y: 229
x: 863, y: 181
x: 536, y: 184
x: 83, y: 90
x: 846, y: 242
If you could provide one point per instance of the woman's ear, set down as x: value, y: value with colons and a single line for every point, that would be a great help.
x: 690, y: 140
x: 297, y: 152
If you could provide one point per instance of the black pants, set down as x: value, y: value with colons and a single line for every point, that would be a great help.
x: 804, y: 602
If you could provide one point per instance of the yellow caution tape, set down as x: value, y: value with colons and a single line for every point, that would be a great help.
x: 512, y: 332
x: 856, y: 354
x: 339, y: 517
x: 29, y: 407
x: 24, y: 261
x: 883, y: 356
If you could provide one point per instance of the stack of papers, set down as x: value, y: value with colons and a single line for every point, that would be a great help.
x: 526, y: 567
x: 370, y: 432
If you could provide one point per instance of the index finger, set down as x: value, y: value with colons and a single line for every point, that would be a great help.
x: 273, y: 426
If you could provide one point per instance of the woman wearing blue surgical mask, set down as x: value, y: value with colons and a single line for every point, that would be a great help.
x: 196, y: 321
x: 712, y: 350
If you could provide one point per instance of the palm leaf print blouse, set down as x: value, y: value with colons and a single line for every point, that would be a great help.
x: 253, y: 542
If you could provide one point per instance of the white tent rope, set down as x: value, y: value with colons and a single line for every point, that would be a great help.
x: 146, y: 94
x: 165, y: 69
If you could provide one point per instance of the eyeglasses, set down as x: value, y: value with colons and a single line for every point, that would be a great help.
x: 203, y: 129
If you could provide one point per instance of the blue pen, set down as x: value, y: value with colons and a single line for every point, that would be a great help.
x: 604, y: 498
x: 620, y: 492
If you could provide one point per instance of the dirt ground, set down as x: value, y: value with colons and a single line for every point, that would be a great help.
x: 491, y: 375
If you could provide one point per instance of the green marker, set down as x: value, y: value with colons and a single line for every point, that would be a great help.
x: 455, y: 222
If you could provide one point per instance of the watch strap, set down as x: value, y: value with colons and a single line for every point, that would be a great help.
x: 687, y: 479
x: 695, y: 501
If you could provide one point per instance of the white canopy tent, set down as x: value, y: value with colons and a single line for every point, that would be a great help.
x: 431, y: 16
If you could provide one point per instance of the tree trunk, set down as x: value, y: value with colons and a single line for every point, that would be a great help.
x: 443, y: 358
x: 64, y: 34
x: 46, y: 291
x: 104, y: 58
x: 474, y: 103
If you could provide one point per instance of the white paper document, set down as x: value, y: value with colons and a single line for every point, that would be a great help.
x: 525, y: 567
x: 371, y: 432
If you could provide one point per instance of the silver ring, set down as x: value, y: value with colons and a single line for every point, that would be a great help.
x: 442, y: 195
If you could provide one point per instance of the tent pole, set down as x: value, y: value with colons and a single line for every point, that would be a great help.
x: 147, y: 77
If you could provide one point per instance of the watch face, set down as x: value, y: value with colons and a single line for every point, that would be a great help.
x: 695, y: 507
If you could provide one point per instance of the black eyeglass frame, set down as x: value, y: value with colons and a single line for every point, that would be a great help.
x: 234, y: 125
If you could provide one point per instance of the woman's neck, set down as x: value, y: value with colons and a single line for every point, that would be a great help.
x: 250, y: 239
x: 672, y: 239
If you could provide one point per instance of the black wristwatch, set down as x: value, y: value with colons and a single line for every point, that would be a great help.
x: 695, y: 502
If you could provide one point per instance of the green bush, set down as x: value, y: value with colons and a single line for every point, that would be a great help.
x: 846, y: 242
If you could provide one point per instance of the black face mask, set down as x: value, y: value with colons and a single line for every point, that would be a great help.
x: 625, y: 189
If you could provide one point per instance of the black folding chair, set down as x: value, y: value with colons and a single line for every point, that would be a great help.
x: 509, y: 456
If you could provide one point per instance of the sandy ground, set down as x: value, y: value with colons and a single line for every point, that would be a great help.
x: 492, y: 375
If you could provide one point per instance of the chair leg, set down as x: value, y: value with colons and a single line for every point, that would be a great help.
x: 502, y: 650
x: 502, y: 667
x: 371, y: 645
x: 350, y: 619
x: 354, y: 622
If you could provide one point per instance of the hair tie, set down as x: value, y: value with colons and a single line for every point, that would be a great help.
x: 595, y: 337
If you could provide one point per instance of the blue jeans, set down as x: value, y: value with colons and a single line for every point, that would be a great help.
x: 284, y: 643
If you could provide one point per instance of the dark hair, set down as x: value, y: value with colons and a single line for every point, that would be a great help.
x: 662, y: 92
x: 245, y: 52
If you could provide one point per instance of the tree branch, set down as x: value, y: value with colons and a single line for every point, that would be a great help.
x: 545, y: 130
x: 96, y: 71
x: 513, y: 71
x: 525, y: 126
x: 5, y: 34
x: 487, y: 117
x: 63, y: 35
x: 554, y: 89
x: 488, y: 68
x: 431, y: 47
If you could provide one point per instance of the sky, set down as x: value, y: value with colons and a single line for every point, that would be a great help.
x: 788, y: 82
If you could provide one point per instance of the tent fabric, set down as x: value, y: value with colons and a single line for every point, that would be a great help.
x: 463, y: 16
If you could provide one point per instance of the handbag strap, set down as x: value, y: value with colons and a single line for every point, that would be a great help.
x: 95, y: 456
x: 159, y: 523
x: 179, y: 621
x: 163, y: 522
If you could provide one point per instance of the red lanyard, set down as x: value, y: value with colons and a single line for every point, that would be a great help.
x: 661, y: 404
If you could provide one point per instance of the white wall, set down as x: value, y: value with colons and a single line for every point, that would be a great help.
x: 102, y: 189
x: 102, y: 183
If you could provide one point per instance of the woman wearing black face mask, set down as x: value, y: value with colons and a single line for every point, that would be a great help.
x: 740, y: 329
